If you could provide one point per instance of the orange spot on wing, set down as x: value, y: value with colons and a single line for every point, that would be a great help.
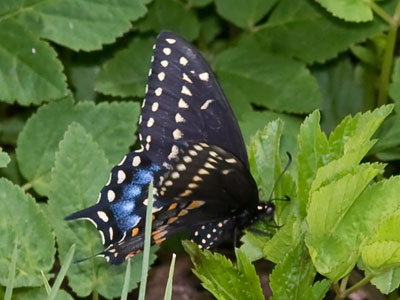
x: 159, y: 241
x: 173, y: 219
x: 172, y: 206
x: 195, y: 204
x: 182, y: 212
x: 135, y: 231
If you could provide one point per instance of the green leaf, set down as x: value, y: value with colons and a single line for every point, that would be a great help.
x: 79, y: 25
x: 388, y: 145
x: 221, y: 278
x: 317, y: 291
x: 394, y: 88
x: 4, y: 159
x: 82, y: 79
x: 313, y: 150
x: 293, y: 275
x: 349, y: 10
x: 263, y: 154
x: 334, y: 254
x: 382, y: 251
x: 252, y: 245
x: 342, y: 94
x: 40, y: 294
x: 244, y: 14
x: 76, y: 181
x: 210, y: 28
x: 29, y: 70
x: 387, y: 281
x: 112, y: 125
x: 287, y: 238
x: 349, y: 143
x: 171, y: 15
x: 267, y: 79
x: 22, y: 218
x: 126, y: 74
x: 199, y: 3
x: 288, y: 32
x: 252, y: 121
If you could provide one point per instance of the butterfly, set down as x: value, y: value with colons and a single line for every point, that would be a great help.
x: 192, y: 149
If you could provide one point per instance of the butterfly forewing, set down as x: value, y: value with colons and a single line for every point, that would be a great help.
x: 184, y: 102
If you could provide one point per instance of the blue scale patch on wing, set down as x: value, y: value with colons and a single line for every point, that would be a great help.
x: 184, y: 102
x: 121, y: 204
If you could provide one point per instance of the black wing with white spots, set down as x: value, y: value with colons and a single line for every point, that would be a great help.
x: 193, y: 151
x: 184, y: 102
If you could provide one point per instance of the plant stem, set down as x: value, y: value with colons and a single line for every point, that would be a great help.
x: 380, y: 12
x: 95, y: 295
x: 387, y: 61
x: 343, y: 283
x: 26, y: 186
x: 359, y: 284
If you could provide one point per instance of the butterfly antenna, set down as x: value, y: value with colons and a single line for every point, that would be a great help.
x: 77, y: 261
x: 280, y: 176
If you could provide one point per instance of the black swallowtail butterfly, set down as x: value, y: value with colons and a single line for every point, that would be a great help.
x: 192, y: 148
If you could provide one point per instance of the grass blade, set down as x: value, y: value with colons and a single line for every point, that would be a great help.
x: 125, y: 289
x: 46, y: 283
x: 11, y: 274
x: 168, y: 288
x: 63, y: 271
x: 147, y: 244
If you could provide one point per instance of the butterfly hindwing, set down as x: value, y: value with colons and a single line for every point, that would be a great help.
x: 184, y: 102
x: 122, y: 201
x: 211, y: 181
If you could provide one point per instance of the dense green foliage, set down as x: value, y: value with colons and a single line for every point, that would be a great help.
x: 72, y: 75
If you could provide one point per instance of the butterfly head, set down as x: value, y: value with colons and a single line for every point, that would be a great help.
x: 265, y: 211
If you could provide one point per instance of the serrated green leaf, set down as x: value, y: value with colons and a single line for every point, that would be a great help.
x: 79, y: 25
x: 263, y: 152
x: 29, y: 70
x: 329, y: 208
x: 171, y: 15
x: 342, y: 94
x: 317, y: 291
x: 312, y: 154
x: 382, y: 251
x: 267, y: 79
x: 288, y: 31
x: 252, y: 121
x: 244, y: 14
x: 387, y: 281
x: 126, y: 74
x: 112, y: 125
x: 76, y: 181
x: 221, y: 278
x: 252, y: 245
x: 351, y: 132
x: 293, y: 275
x: 287, y: 238
x: 349, y: 143
x: 22, y: 218
x: 349, y: 10
x: 4, y: 159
